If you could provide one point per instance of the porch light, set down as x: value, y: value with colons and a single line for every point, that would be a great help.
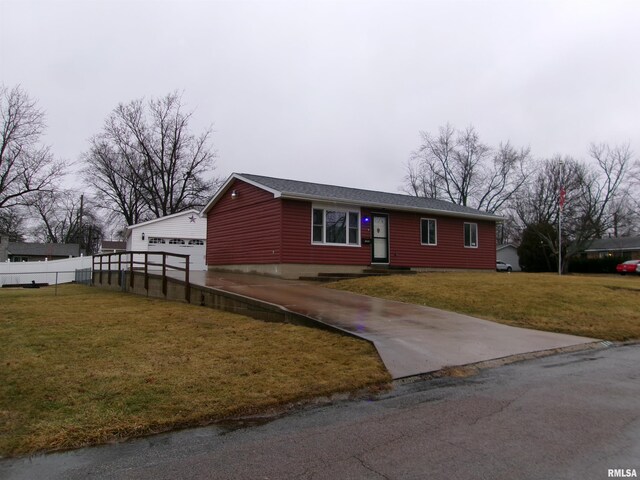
x: 234, y: 194
x: 143, y: 235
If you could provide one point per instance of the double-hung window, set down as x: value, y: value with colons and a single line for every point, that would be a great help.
x: 471, y: 235
x: 336, y: 226
x: 428, y: 231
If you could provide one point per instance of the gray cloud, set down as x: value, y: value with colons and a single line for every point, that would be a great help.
x: 337, y: 91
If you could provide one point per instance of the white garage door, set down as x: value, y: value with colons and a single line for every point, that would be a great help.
x: 194, y: 248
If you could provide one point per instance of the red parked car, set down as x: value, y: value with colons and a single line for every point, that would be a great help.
x: 630, y: 266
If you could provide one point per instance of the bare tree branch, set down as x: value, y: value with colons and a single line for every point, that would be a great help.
x: 26, y: 167
x: 456, y: 166
x: 146, y: 163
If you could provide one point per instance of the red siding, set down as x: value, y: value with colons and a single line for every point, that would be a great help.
x: 449, y: 252
x: 297, y: 246
x: 244, y: 230
x: 256, y: 228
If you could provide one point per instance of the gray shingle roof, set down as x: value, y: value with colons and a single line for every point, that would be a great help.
x: 620, y: 243
x: 113, y: 245
x: 369, y: 198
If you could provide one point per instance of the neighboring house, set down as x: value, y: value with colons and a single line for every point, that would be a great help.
x: 34, y: 252
x: 509, y: 254
x: 624, y: 247
x: 290, y: 228
x: 110, y: 246
x: 182, y: 233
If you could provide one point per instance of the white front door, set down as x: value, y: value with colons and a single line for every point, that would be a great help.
x: 380, y: 235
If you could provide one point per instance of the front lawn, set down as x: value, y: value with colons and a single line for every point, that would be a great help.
x: 606, y: 307
x: 90, y: 366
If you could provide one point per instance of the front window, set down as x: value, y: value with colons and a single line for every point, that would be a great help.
x: 336, y: 226
x: 471, y: 235
x: 428, y: 231
x: 332, y: 226
x: 318, y: 225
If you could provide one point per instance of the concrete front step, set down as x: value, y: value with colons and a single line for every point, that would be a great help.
x: 369, y: 272
x: 390, y: 271
x: 334, y: 277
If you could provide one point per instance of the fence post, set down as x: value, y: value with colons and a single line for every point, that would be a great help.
x: 187, y: 286
x: 131, y: 270
x: 164, y: 274
x: 146, y: 272
x: 120, y: 269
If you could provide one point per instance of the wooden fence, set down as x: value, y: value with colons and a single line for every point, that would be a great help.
x: 146, y: 263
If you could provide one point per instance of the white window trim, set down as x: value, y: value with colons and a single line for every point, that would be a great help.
x: 464, y: 235
x: 436, y: 225
x: 334, y: 208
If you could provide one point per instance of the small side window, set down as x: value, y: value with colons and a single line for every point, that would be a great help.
x: 471, y: 235
x: 428, y: 231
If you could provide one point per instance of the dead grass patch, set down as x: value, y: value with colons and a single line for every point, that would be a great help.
x: 603, y: 307
x: 89, y: 366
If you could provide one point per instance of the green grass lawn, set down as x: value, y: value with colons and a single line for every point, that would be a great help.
x: 606, y: 307
x: 89, y: 366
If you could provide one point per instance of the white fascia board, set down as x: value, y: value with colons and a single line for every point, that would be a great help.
x: 218, y: 194
x: 276, y: 193
x: 385, y: 206
x: 159, y: 219
x: 225, y: 186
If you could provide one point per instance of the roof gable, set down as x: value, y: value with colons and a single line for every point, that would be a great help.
x: 162, y: 219
x: 298, y: 190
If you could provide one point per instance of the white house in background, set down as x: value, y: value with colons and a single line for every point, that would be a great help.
x: 509, y: 254
x: 184, y: 233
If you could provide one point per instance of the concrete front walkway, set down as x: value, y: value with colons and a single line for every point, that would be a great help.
x: 411, y: 339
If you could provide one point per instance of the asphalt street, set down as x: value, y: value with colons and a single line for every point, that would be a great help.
x: 568, y: 416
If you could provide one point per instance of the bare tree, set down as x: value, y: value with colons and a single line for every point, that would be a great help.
x: 592, y: 194
x: 614, y: 191
x: 456, y: 166
x: 146, y: 163
x: 25, y: 165
x: 537, y: 205
x: 64, y: 217
x: 12, y: 223
x: 116, y: 186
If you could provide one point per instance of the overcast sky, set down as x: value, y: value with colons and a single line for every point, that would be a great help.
x: 334, y: 91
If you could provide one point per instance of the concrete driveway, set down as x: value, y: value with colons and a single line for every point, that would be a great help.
x: 411, y: 339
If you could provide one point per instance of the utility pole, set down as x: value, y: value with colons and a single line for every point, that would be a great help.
x: 80, y: 233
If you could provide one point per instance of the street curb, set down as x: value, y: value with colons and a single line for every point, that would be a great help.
x: 471, y: 369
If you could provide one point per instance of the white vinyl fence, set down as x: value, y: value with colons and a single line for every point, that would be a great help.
x: 52, y: 272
